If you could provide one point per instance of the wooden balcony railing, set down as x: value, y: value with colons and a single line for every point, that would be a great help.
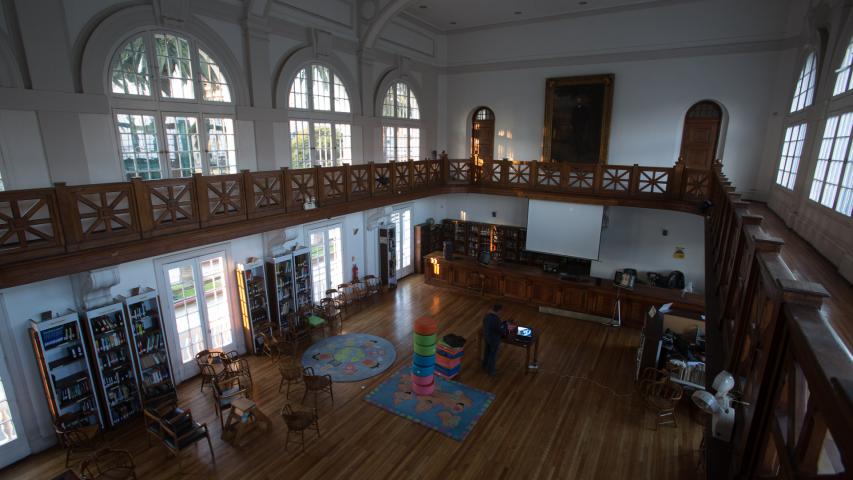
x: 791, y: 370
x: 52, y: 223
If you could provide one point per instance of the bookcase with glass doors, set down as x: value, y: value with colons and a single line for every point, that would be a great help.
x: 66, y: 375
x: 149, y: 346
x: 112, y: 357
x: 254, y: 307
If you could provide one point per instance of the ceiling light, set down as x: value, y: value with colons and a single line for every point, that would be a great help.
x: 423, y: 7
x: 582, y: 2
x: 517, y: 12
x: 453, y: 23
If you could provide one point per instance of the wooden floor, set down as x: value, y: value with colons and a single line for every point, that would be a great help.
x: 576, y: 418
x: 807, y: 264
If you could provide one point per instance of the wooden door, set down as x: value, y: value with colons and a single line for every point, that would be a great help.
x: 701, y: 135
x: 483, y: 134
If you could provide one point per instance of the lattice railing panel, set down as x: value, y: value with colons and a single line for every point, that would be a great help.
x: 616, y: 179
x: 518, y: 174
x: 653, y: 181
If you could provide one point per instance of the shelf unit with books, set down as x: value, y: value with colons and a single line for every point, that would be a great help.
x: 64, y: 367
x: 150, y: 348
x: 302, y: 277
x: 117, y: 381
x: 254, y: 307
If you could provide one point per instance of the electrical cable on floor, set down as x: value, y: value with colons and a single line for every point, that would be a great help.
x: 587, y: 379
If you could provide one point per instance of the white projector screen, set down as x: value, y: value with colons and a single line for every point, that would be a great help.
x: 569, y: 229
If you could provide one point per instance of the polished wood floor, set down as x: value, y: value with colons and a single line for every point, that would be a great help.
x: 807, y: 264
x: 577, y: 418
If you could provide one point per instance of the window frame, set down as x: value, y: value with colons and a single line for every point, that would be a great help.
x: 309, y: 91
x: 312, y: 140
x: 397, y: 122
x: 150, y: 55
x: 799, y: 77
x: 846, y: 163
x: 804, y: 125
x: 411, y: 94
x: 160, y: 134
x: 396, y: 147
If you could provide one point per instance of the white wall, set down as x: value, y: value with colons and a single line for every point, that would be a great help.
x: 650, y: 100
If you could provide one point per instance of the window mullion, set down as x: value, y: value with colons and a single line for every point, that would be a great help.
x: 844, y: 165
x: 309, y: 86
x: 202, y: 139
x: 196, y: 65
x: 163, y: 151
x: 148, y: 40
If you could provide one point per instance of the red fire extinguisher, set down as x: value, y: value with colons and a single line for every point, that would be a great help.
x: 354, y: 272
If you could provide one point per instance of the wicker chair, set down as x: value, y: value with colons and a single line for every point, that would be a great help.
x: 108, y: 464
x: 204, y: 359
x: 316, y: 384
x: 298, y: 421
x: 333, y: 315
x: 234, y: 366
x: 76, y: 438
x: 291, y: 373
x: 373, y: 285
x: 297, y: 330
x: 272, y: 345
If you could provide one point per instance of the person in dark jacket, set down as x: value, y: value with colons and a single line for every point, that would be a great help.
x: 492, y: 337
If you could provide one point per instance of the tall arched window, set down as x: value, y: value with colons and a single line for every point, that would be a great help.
x: 176, y: 118
x: 844, y: 81
x: 323, y: 134
x: 401, y: 135
x: 804, y: 92
x: 483, y: 134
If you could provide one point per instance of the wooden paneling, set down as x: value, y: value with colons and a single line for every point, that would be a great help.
x: 514, y: 288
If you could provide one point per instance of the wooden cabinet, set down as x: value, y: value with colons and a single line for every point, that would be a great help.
x: 543, y: 292
x: 601, y: 304
x: 573, y: 298
x: 515, y: 287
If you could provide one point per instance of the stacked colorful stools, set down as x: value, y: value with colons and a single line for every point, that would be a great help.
x: 423, y: 368
x: 448, y: 360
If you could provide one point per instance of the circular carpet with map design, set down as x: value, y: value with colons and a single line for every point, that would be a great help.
x: 351, y: 357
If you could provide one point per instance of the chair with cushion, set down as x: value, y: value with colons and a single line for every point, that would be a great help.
x: 181, y: 431
x: 298, y: 421
x: 76, y: 437
x: 234, y: 366
x: 346, y: 296
x: 227, y: 390
x: 661, y: 396
x: 152, y: 417
x: 316, y: 384
x: 297, y: 331
x: 108, y: 464
x: 291, y: 373
x: 316, y: 318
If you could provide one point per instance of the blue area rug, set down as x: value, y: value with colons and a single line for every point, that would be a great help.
x: 453, y: 409
x: 351, y: 357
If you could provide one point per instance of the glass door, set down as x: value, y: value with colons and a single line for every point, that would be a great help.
x: 327, y: 263
x: 12, y: 446
x: 402, y: 219
x: 198, y: 300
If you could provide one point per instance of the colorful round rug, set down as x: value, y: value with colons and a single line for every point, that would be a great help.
x: 351, y: 357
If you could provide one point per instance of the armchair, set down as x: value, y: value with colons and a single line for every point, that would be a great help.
x: 181, y: 431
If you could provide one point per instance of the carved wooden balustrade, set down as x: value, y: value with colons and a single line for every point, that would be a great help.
x: 50, y: 223
x: 791, y: 370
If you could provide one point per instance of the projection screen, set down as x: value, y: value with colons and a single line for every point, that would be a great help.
x: 560, y: 228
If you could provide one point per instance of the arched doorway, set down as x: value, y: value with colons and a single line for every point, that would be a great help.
x: 701, y: 135
x: 483, y: 134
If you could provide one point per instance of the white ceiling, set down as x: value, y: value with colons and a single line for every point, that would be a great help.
x: 484, y: 13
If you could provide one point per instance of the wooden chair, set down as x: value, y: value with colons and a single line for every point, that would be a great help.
x: 226, y: 391
x: 108, y: 464
x: 316, y: 318
x: 334, y: 295
x: 316, y: 384
x: 272, y: 345
x: 346, y: 296
x: 234, y: 366
x: 298, y: 421
x: 181, y: 431
x: 291, y: 373
x: 152, y: 417
x: 297, y: 330
x: 661, y: 397
x: 208, y: 375
x: 77, y: 438
x: 333, y: 315
x: 373, y: 285
x: 359, y: 291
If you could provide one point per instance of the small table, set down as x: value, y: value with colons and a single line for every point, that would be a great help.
x: 244, y: 417
x: 513, y: 340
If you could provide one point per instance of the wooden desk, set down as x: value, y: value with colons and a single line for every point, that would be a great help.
x: 531, y: 285
x: 511, y: 340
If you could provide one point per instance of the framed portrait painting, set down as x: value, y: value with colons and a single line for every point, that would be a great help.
x: 577, y: 119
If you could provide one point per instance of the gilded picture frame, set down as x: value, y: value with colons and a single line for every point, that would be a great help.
x: 577, y: 119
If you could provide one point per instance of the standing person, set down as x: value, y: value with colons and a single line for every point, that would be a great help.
x: 492, y: 337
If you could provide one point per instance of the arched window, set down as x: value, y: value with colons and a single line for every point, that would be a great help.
x: 844, y: 81
x: 832, y: 184
x: 175, y: 119
x: 804, y: 92
x: 401, y: 137
x: 322, y: 136
x: 483, y: 134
